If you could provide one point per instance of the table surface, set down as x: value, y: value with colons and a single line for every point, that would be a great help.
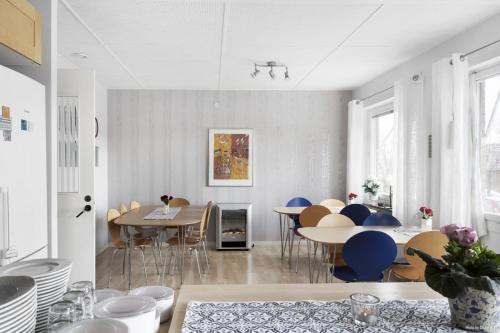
x: 294, y: 292
x: 298, y: 210
x: 339, y: 235
x: 188, y: 215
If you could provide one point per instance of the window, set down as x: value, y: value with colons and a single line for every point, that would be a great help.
x: 382, y: 140
x: 488, y: 93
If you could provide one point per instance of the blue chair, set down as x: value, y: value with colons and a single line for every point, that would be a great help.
x: 381, y: 219
x: 297, y: 202
x: 356, y: 212
x: 367, y: 255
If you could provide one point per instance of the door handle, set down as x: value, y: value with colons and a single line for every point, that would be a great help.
x: 87, y: 208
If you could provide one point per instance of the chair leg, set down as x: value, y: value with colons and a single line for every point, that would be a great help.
x: 123, y: 263
x: 144, y: 264
x: 156, y: 263
x: 204, y: 244
x: 298, y: 252
x: 111, y: 266
x: 290, y: 250
x: 197, y: 262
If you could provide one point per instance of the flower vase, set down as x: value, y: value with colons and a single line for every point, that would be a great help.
x: 476, y: 310
x: 166, y: 209
x: 373, y: 197
x: 426, y: 224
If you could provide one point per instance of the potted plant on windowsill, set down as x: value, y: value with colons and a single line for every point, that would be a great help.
x: 469, y: 276
x: 371, y: 186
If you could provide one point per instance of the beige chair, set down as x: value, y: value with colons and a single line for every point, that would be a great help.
x: 179, y: 202
x: 332, y: 203
x: 134, y: 205
x: 119, y: 244
x: 308, y: 218
x: 336, y: 220
x: 191, y: 242
x: 431, y: 242
x: 123, y: 209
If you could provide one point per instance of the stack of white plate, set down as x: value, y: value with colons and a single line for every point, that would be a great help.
x: 137, y: 312
x: 51, y: 277
x: 96, y: 326
x: 17, y: 304
x: 164, y: 297
x: 104, y: 294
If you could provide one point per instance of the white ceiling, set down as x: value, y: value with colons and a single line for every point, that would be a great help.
x: 212, y: 44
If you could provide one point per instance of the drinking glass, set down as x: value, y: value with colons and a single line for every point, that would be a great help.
x: 90, y: 298
x: 63, y: 311
x: 78, y: 299
x: 57, y: 325
x: 364, y: 309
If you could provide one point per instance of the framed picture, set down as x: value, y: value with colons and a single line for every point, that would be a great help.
x: 230, y: 157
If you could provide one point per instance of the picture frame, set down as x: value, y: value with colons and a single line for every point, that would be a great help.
x: 230, y: 158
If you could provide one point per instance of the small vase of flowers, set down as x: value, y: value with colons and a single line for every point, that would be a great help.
x: 166, y: 202
x: 469, y: 276
x: 371, y: 186
x: 352, y: 196
x: 426, y: 216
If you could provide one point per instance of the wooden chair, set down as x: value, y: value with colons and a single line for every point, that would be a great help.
x: 336, y: 220
x: 123, y: 209
x: 308, y: 218
x: 145, y: 232
x: 431, y: 242
x: 192, y: 242
x: 134, y: 205
x: 332, y: 203
x: 179, y: 202
x: 119, y: 244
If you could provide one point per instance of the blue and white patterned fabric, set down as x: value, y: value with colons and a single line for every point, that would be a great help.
x: 159, y: 214
x: 315, y: 316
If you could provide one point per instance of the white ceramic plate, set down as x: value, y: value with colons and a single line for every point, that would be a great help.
x: 19, y: 309
x: 14, y: 287
x: 51, y: 277
x: 124, y: 306
x: 36, y: 267
x: 156, y: 292
x: 18, y: 321
x: 26, y: 298
x: 96, y: 325
x: 104, y: 294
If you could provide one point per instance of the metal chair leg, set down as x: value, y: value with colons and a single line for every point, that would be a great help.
x: 111, y: 266
x: 123, y: 264
x: 206, y: 254
x: 144, y: 264
x: 197, y: 262
x: 298, y: 253
x: 156, y: 263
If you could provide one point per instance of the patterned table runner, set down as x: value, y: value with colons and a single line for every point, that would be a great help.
x: 159, y: 214
x: 406, y: 316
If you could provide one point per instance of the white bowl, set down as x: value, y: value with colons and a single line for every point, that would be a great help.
x: 104, y: 294
x: 164, y: 297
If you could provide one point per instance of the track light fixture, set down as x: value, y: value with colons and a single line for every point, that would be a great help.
x: 272, y: 73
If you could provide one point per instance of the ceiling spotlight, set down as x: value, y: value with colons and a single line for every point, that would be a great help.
x: 272, y: 74
x: 287, y: 76
x: 255, y: 72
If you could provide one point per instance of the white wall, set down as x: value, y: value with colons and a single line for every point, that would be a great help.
x: 158, y: 143
x: 46, y: 74
x: 101, y: 169
x: 476, y: 37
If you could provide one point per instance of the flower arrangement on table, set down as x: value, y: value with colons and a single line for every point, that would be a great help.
x: 352, y: 196
x: 371, y: 186
x: 469, y: 276
x: 426, y: 214
x: 166, y: 201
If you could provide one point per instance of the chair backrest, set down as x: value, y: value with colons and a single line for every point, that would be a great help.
x: 369, y: 253
x: 335, y: 220
x: 298, y: 202
x: 123, y: 209
x: 432, y: 243
x: 312, y: 214
x: 205, y: 219
x: 179, y: 202
x: 381, y: 219
x: 134, y: 205
x: 114, y: 229
x: 332, y: 203
x: 356, y: 212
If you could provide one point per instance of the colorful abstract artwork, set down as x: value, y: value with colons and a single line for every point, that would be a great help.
x: 230, y: 157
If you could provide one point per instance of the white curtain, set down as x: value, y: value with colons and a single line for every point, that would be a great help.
x: 410, y: 150
x: 458, y: 199
x: 357, y: 147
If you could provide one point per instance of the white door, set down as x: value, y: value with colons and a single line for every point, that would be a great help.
x: 76, y: 217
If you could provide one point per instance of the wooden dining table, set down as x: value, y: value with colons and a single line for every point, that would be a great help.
x: 326, y: 236
x: 187, y: 216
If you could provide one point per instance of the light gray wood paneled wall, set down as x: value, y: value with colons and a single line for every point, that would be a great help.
x: 158, y: 144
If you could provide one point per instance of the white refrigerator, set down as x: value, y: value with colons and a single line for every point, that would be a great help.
x: 23, y: 168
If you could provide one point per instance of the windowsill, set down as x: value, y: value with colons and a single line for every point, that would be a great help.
x: 494, y: 217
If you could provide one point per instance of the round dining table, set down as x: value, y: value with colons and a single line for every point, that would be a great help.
x: 333, y: 236
x: 187, y: 216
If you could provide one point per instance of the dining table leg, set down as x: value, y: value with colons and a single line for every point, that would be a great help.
x: 130, y: 247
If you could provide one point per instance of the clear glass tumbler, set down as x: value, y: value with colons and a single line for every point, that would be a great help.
x: 90, y: 298
x: 63, y: 311
x: 364, y: 309
x: 78, y: 299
